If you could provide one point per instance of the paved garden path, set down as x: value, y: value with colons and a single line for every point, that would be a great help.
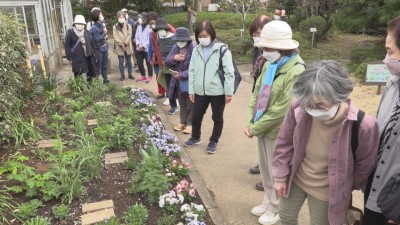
x: 226, y: 173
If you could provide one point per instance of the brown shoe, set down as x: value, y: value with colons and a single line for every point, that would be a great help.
x: 255, y: 170
x: 260, y: 186
x: 188, y: 130
x: 179, y: 127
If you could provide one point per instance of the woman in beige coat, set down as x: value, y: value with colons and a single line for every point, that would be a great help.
x: 123, y: 46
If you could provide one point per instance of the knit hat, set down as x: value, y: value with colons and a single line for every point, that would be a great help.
x: 161, y: 24
x: 79, y: 19
x: 277, y: 35
x: 181, y: 34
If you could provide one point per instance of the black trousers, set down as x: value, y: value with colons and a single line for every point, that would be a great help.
x: 371, y: 217
x: 140, y: 57
x: 199, y: 109
x: 91, y: 73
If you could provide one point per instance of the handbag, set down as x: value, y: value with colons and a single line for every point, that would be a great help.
x: 389, y: 199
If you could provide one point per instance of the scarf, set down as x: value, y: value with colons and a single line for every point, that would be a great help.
x: 265, y: 89
x: 81, y: 37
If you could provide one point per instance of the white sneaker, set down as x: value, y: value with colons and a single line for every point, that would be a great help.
x: 259, y: 210
x: 177, y: 102
x: 268, y: 218
x: 166, y: 102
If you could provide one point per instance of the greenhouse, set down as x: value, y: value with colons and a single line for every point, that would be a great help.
x: 43, y: 23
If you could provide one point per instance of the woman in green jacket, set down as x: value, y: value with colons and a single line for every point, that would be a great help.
x: 269, y: 103
x: 205, y: 86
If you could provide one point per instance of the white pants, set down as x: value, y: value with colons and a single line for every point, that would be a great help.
x: 266, y: 149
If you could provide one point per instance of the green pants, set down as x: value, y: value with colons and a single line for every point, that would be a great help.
x: 289, y: 208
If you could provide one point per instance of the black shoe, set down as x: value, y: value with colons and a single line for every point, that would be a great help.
x: 260, y: 186
x: 160, y: 96
x: 211, y: 148
x: 106, y: 81
x: 131, y: 77
x: 255, y: 170
x: 122, y: 78
x: 191, y: 142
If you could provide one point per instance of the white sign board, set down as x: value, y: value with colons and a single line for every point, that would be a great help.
x: 213, y: 7
x: 313, y: 29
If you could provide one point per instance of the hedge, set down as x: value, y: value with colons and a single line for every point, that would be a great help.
x: 13, y: 74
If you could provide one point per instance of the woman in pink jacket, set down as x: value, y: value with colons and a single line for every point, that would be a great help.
x: 315, y: 157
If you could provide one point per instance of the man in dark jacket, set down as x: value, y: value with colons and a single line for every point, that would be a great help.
x: 79, y: 48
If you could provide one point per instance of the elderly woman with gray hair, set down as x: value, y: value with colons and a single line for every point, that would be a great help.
x: 315, y: 156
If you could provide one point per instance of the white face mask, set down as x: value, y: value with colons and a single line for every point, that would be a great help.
x: 276, y: 17
x: 181, y: 44
x: 257, y: 40
x: 140, y: 20
x: 101, y: 18
x: 205, y: 41
x: 162, y: 33
x: 79, y: 26
x: 393, y: 65
x: 121, y: 20
x: 271, y: 56
x: 322, y: 115
x: 153, y: 26
x: 126, y: 16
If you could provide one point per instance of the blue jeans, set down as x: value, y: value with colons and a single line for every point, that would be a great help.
x: 121, y: 64
x: 102, y: 63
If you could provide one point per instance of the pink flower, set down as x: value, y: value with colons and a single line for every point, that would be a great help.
x: 192, y: 192
x: 188, y: 165
x: 193, y: 186
x: 178, y: 190
x: 184, y: 184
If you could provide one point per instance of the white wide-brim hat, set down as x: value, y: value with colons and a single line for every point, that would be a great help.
x: 79, y: 19
x: 277, y: 35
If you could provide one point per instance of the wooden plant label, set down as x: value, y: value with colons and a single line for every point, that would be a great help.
x: 107, y: 103
x: 92, y: 122
x: 97, y: 212
x: 118, y: 157
x: 42, y: 168
x: 47, y: 143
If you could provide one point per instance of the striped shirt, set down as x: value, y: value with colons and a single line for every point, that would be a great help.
x: 389, y: 148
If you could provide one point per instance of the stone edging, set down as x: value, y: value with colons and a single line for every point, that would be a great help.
x: 208, y: 202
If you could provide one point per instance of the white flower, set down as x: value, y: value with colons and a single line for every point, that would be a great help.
x: 181, y: 198
x: 189, y: 214
x: 185, y: 208
x: 168, y: 174
x: 199, y: 207
x: 167, y: 199
x: 161, y: 203
x: 173, y: 201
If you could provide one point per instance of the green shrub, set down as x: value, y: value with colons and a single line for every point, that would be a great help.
x: 377, y: 52
x: 166, y: 220
x: 60, y: 211
x: 28, y: 209
x: 241, y: 47
x: 38, y: 221
x: 136, y: 215
x: 14, y: 76
x: 111, y: 221
x: 220, y: 20
x: 315, y: 21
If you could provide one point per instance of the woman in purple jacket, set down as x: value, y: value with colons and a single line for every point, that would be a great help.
x: 313, y: 157
x: 178, y: 61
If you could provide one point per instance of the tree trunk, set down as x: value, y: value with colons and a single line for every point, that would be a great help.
x: 197, y: 5
x: 326, y: 28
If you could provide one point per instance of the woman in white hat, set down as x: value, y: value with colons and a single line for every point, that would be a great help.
x: 269, y: 103
x: 79, y: 49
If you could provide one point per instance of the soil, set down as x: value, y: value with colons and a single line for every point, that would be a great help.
x: 113, y: 182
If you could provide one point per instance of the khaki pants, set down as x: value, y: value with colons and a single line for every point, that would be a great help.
x: 266, y: 148
x: 289, y: 208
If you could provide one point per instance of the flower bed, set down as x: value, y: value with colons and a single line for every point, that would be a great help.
x: 76, y: 174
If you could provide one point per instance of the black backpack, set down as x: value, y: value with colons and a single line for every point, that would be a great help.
x: 354, y: 145
x: 221, y: 72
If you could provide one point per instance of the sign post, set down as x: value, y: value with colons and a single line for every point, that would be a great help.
x: 377, y: 74
x: 313, y: 42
